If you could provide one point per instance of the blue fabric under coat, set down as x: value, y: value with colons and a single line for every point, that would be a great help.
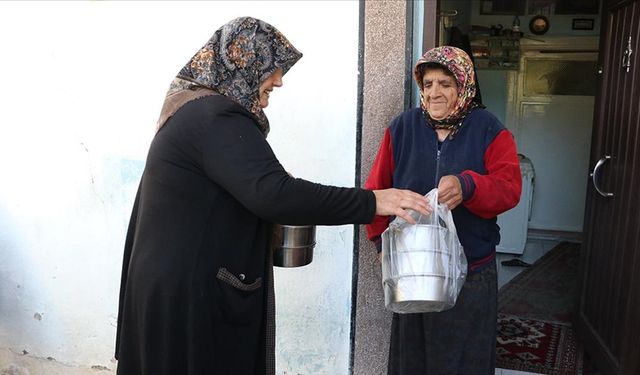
x: 418, y: 167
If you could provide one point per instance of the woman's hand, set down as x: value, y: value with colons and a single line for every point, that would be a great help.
x: 397, y: 202
x: 449, y: 191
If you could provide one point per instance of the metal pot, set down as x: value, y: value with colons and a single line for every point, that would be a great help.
x: 416, y: 274
x: 414, y: 294
x: 294, y: 245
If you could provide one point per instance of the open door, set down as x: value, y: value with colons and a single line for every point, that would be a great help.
x: 608, y: 319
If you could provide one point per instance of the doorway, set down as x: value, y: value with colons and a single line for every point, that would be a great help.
x: 549, y: 110
x: 550, y: 113
x: 542, y: 87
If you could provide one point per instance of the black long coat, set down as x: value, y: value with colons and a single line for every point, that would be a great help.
x: 193, y: 292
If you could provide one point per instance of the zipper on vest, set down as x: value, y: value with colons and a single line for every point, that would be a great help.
x: 438, y: 153
x: 437, y: 167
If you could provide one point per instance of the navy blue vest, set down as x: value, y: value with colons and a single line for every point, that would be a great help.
x: 419, y: 166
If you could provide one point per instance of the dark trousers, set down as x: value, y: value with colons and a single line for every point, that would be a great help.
x: 458, y: 341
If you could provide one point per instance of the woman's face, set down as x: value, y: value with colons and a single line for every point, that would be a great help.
x: 440, y: 92
x: 274, y: 80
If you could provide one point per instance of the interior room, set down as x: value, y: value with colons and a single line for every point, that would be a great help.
x: 536, y: 65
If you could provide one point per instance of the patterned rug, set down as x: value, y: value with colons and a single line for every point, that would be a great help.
x: 535, y: 311
x: 539, y: 347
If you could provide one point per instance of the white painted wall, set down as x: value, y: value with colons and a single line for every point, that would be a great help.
x: 83, y: 83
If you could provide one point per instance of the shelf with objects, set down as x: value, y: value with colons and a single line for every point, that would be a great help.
x: 496, y: 52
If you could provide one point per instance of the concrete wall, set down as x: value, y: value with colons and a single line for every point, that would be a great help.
x: 385, y: 32
x: 83, y: 85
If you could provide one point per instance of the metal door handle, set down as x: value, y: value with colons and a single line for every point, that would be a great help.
x: 626, y: 55
x: 594, y: 176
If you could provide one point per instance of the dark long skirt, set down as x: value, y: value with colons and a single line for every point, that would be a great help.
x: 459, y: 341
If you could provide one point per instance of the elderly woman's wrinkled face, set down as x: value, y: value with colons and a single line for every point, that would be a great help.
x: 274, y: 80
x: 440, y: 92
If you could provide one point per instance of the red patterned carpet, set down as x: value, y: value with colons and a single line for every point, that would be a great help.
x: 537, y: 346
x: 535, y: 310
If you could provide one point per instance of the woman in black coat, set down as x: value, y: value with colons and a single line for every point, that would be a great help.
x: 196, y: 295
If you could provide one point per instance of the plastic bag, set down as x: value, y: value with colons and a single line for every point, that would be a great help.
x: 423, y: 264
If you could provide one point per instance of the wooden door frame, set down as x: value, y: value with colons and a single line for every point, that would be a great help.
x: 627, y: 361
x: 593, y: 345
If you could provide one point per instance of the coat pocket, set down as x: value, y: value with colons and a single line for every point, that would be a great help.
x: 241, y: 302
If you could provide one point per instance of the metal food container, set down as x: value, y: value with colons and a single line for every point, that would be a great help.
x: 294, y: 245
x: 416, y: 273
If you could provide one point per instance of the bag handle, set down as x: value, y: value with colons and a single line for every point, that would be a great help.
x: 440, y: 212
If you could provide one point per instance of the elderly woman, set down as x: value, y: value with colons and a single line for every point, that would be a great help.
x: 455, y: 145
x: 196, y: 294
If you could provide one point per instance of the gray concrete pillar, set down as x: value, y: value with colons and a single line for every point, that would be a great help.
x: 385, y: 33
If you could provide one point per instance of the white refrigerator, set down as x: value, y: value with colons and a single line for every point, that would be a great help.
x: 514, y: 223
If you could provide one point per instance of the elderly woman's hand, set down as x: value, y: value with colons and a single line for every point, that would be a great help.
x: 449, y: 191
x: 397, y: 202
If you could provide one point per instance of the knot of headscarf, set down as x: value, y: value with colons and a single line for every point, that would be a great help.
x: 235, y: 61
x: 460, y: 65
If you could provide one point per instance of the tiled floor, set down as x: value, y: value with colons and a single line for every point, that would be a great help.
x: 534, y: 249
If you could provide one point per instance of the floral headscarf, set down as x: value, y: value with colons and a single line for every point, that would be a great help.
x: 460, y: 65
x: 234, y: 62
